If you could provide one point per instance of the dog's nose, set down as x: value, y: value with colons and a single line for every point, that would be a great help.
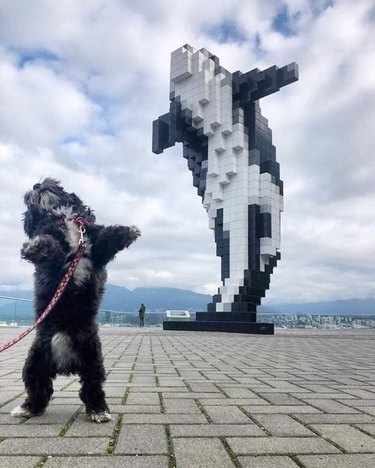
x: 36, y: 186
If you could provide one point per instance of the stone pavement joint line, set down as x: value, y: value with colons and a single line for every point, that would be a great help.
x: 179, y: 399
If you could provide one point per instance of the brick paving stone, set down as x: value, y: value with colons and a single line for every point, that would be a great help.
x: 55, y: 446
x: 18, y: 461
x: 8, y: 419
x: 369, y: 409
x: 216, y: 430
x: 280, y: 409
x: 331, y: 406
x: 347, y: 437
x: 281, y: 399
x: 279, y: 445
x: 282, y: 425
x: 267, y: 462
x: 181, y: 406
x: 370, y: 428
x: 6, y: 396
x: 83, y: 426
x: 23, y: 430
x: 195, y: 395
x: 238, y: 392
x: 201, y: 453
x: 6, y: 409
x: 142, y: 439
x: 358, y: 403
x: 122, y: 409
x: 337, y: 461
x: 142, y: 399
x: 232, y: 401
x: 58, y: 414
x: 335, y: 418
x: 164, y: 419
x: 227, y: 414
x: 66, y: 401
x: 204, y: 387
x: 135, y: 388
x: 171, y: 382
x: 360, y: 393
x: 106, y: 462
x: 326, y: 396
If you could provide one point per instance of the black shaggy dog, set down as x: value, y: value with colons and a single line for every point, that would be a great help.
x: 67, y: 341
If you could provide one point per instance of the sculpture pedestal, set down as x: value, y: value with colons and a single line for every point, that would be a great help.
x: 230, y: 322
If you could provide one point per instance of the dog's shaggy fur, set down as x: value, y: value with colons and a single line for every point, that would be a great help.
x: 67, y: 341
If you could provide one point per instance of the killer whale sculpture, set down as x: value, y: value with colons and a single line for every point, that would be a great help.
x: 228, y: 146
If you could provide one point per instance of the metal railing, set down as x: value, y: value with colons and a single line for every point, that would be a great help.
x: 16, y: 312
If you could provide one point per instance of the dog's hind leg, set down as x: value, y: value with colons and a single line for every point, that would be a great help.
x: 91, y: 371
x: 37, y: 376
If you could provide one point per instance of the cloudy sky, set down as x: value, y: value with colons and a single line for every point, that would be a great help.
x: 82, y: 81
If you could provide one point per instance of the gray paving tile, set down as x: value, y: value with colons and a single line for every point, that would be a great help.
x: 142, y: 439
x: 232, y: 402
x: 142, y: 398
x: 347, y: 437
x: 370, y: 428
x: 164, y: 419
x: 201, y: 453
x: 58, y: 414
x: 18, y: 461
x: 280, y: 409
x: 181, y: 406
x: 195, y: 395
x: 23, y: 430
x: 330, y: 406
x: 149, y: 409
x: 280, y: 425
x: 335, y: 418
x: 267, y: 462
x: 226, y: 414
x: 279, y: 445
x: 337, y: 461
x: 281, y: 399
x: 54, y: 446
x: 216, y: 430
x: 84, y: 427
x: 106, y: 462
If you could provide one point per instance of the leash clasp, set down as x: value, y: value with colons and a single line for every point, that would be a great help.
x: 82, y: 230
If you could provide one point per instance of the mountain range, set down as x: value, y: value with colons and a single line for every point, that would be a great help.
x: 122, y: 299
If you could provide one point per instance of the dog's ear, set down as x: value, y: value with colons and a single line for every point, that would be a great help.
x: 77, y: 204
x: 28, y: 223
x: 74, y: 200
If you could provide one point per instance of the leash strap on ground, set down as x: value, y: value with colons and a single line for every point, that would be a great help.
x: 56, y: 297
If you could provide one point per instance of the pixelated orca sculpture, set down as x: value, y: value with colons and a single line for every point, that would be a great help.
x: 228, y: 146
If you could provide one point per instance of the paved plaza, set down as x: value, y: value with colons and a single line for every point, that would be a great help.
x: 201, y: 400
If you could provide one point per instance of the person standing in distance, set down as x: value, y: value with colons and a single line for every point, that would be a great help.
x: 142, y: 313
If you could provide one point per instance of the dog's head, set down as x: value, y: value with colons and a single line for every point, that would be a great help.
x: 46, y: 200
x: 47, y: 195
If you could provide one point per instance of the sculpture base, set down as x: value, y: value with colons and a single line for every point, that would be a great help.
x: 221, y: 326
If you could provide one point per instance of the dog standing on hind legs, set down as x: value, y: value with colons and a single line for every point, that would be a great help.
x: 67, y: 342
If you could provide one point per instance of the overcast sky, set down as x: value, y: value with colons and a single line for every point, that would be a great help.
x: 82, y: 81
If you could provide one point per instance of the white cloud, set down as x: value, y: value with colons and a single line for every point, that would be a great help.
x: 81, y: 82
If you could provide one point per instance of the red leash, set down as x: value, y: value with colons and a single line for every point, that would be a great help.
x: 59, y: 291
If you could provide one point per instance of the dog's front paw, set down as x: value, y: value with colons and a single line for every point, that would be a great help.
x: 40, y: 248
x: 102, y: 416
x: 21, y: 412
x: 31, y: 248
x: 134, y: 232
